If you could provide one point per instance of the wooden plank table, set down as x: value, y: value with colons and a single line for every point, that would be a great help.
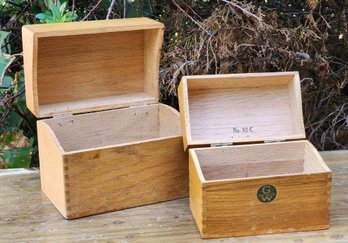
x: 26, y: 215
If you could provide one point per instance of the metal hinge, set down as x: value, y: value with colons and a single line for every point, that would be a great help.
x: 274, y: 141
x: 58, y: 116
x: 220, y: 144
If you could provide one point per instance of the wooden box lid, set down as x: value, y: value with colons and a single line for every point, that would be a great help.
x: 89, y: 66
x: 240, y: 108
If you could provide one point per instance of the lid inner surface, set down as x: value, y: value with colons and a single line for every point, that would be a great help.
x: 90, y: 66
x: 237, y: 110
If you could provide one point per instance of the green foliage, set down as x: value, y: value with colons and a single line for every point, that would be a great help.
x: 16, y: 149
x: 18, y: 141
x: 10, y: 8
x: 55, y: 12
x: 5, y: 61
x: 3, y: 36
x: 17, y: 124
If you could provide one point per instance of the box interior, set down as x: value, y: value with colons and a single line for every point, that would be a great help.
x: 244, y: 108
x: 245, y: 161
x: 86, y: 71
x: 115, y: 127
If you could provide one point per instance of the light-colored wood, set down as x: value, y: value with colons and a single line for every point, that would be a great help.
x: 97, y: 104
x: 30, y: 57
x: 232, y: 208
x: 104, y: 180
x: 153, y: 40
x: 184, y: 113
x: 93, y: 27
x: 232, y: 176
x: 52, y: 172
x: 312, y: 154
x: 243, y: 161
x: 95, y: 65
x: 82, y: 67
x: 107, y: 159
x: 294, y: 89
x: 168, y: 115
x: 112, y: 160
x: 196, y: 190
x: 27, y: 216
x: 241, y: 108
x: 115, y: 127
x: 262, y: 110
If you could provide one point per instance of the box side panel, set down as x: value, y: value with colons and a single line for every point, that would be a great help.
x: 301, y: 204
x: 51, y: 168
x: 184, y: 116
x: 122, y: 177
x: 29, y: 58
x: 152, y: 51
x: 169, y: 121
x: 294, y: 89
x: 196, y: 193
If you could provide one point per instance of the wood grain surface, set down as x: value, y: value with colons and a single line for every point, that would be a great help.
x: 110, y: 64
x: 241, y: 108
x: 26, y: 215
x: 89, y: 165
x: 232, y: 175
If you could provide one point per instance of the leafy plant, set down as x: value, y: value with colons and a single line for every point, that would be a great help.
x: 16, y: 149
x: 17, y: 127
x: 55, y: 12
x: 18, y: 141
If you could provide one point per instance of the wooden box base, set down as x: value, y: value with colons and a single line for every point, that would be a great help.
x: 110, y: 160
x: 227, y: 182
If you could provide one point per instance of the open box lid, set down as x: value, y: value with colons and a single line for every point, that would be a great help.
x: 240, y: 108
x: 89, y: 66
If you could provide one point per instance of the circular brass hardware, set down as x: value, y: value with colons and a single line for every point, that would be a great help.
x: 267, y: 193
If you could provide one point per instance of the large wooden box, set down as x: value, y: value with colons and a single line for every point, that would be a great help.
x: 120, y: 148
x: 250, y: 169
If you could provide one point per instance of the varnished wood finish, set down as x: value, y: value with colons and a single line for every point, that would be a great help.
x: 231, y: 177
x: 53, y: 178
x: 126, y: 151
x: 94, y: 65
x: 232, y: 208
x: 196, y: 193
x: 93, y: 27
x: 27, y: 216
x: 228, y: 111
x: 112, y: 160
x: 115, y: 127
x: 243, y: 161
x: 241, y: 108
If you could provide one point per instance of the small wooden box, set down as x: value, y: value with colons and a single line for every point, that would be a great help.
x: 126, y: 150
x: 250, y: 170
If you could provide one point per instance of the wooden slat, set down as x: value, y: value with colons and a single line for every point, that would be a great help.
x: 93, y: 27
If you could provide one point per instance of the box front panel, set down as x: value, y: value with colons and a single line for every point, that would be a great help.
x: 264, y: 206
x: 116, y: 178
